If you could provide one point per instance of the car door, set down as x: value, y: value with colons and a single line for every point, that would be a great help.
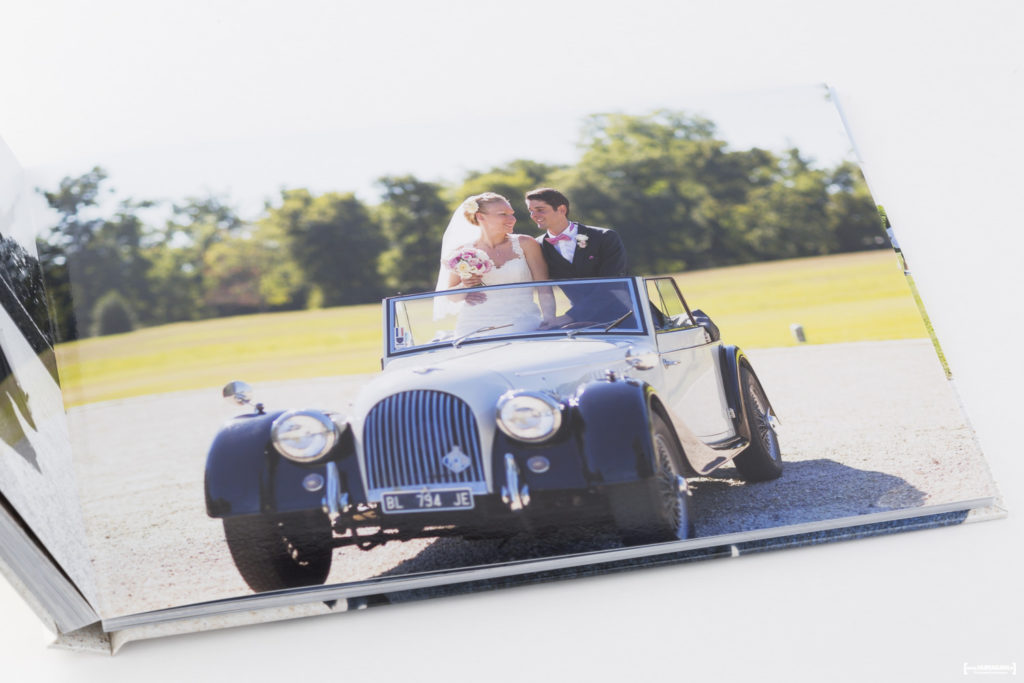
x: 689, y: 359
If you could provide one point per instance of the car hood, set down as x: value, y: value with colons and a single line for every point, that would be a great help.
x: 481, y: 372
x: 484, y: 371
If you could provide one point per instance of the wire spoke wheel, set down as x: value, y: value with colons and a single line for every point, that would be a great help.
x: 671, y: 487
x: 762, y: 459
x: 272, y: 552
x: 655, y: 510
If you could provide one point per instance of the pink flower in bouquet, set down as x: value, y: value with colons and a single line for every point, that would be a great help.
x: 467, y: 261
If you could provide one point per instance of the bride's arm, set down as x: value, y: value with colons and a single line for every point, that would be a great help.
x: 539, y: 271
x: 471, y: 298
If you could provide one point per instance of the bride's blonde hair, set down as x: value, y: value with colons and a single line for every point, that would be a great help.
x: 473, y: 204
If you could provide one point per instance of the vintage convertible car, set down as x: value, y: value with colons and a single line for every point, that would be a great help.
x: 497, y: 428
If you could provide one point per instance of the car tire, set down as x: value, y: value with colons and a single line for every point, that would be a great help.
x: 655, y: 510
x: 273, y: 552
x: 762, y: 459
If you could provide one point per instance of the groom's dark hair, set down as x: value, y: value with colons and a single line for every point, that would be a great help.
x: 550, y: 196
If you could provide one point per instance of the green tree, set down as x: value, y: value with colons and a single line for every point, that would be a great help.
x: 787, y: 218
x: 853, y: 217
x: 681, y: 199
x: 334, y: 242
x: 512, y: 181
x: 86, y: 255
x: 654, y: 179
x: 233, y: 272
x: 413, y: 216
x: 113, y: 315
x: 178, y: 260
x: 74, y: 197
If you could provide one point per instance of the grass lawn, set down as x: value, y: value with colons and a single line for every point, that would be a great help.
x: 210, y: 353
x: 848, y: 297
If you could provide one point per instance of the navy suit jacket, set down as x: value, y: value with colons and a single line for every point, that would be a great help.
x: 604, y: 256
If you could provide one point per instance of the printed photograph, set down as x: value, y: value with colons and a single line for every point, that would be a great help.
x: 673, y: 327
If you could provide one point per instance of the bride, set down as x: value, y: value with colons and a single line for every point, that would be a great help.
x: 485, y: 222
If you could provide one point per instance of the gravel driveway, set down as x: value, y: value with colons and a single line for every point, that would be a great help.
x: 866, y: 428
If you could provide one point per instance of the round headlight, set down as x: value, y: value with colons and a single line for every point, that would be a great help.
x: 529, y: 416
x: 303, y: 435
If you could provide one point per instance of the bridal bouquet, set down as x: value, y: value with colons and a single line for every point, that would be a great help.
x: 467, y: 261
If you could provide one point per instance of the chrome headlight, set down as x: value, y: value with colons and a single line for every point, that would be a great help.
x: 304, y: 435
x: 529, y: 416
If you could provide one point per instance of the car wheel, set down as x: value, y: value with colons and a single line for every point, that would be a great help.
x: 273, y: 552
x: 658, y: 509
x: 762, y: 459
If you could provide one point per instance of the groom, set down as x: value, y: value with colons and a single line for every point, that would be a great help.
x: 574, y: 250
x: 570, y: 248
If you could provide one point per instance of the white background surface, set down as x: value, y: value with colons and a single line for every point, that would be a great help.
x: 934, y: 95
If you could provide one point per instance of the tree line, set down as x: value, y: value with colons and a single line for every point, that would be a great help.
x: 680, y: 197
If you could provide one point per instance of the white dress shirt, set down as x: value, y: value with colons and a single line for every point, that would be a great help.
x: 567, y: 248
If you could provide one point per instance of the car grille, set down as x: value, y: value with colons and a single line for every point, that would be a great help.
x: 406, y: 437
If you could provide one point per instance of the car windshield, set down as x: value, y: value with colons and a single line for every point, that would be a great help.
x: 565, y: 308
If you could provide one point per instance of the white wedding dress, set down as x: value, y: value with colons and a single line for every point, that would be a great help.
x: 511, y: 306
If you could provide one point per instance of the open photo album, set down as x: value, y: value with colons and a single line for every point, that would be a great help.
x: 694, y: 337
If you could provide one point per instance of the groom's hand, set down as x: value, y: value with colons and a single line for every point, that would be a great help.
x: 552, y: 323
x: 474, y: 298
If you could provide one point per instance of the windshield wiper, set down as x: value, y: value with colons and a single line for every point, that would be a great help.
x: 457, y: 342
x: 612, y: 324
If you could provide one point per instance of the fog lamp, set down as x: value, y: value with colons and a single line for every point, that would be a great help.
x: 538, y: 464
x: 313, y: 482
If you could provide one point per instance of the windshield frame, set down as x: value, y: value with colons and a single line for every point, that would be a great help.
x: 390, y: 305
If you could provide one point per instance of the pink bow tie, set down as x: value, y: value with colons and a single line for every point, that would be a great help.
x: 557, y: 238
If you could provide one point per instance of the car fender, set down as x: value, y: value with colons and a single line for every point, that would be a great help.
x: 246, y: 475
x: 613, y: 418
x: 237, y: 465
x: 730, y: 360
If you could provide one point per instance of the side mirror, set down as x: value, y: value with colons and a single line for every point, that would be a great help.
x: 238, y: 392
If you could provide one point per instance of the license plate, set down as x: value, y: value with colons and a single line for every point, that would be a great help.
x: 427, y: 501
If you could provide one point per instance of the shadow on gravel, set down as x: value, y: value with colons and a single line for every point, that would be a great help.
x: 808, y: 491
x: 450, y: 552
